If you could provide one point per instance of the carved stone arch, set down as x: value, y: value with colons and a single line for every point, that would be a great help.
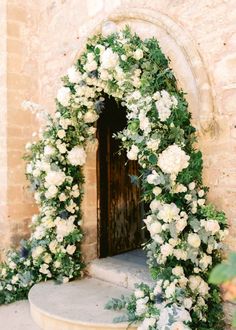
x: 178, y: 46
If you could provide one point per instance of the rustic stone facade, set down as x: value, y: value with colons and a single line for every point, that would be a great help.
x: 41, y: 39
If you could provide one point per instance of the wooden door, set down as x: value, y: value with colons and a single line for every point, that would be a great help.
x: 119, y: 207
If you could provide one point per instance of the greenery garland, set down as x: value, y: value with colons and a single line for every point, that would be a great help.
x: 185, y: 233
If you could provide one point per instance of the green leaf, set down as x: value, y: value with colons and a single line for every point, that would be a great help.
x: 224, y: 271
x: 152, y: 159
x: 234, y: 320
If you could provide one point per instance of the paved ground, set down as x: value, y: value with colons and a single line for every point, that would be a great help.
x: 16, y: 317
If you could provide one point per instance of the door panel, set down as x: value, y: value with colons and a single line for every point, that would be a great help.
x: 119, y: 210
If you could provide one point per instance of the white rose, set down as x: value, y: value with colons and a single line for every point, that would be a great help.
x: 37, y: 251
x: 192, y: 185
x: 201, y: 193
x: 90, y: 116
x: 180, y: 225
x: 63, y: 96
x: 55, y: 178
x: 138, y: 54
x: 201, y: 201
x: 74, y: 76
x: 178, y: 271
x: 132, y: 154
x: 53, y: 246
x: 61, y: 133
x: 91, y: 66
x: 70, y: 249
x: 155, y: 205
x: 168, y: 212
x: 194, y: 240
x: 173, y: 160
x: 62, y: 197
x: 109, y: 59
x: 62, y: 148
x: 51, y: 191
x: 77, y: 156
x: 104, y: 75
x: 156, y: 191
x: 188, y: 303
x: 57, y: 264
x: 194, y: 282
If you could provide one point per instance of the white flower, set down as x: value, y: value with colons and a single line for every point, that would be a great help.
x: 70, y: 249
x: 53, y: 246
x: 90, y: 116
x: 194, y: 240
x: 205, y: 261
x: 9, y: 287
x: 37, y: 251
x: 57, y: 264
x: 211, y: 226
x: 51, y: 191
x: 155, y: 205
x: 170, y: 290
x: 62, y: 197
x: 132, y: 154
x: 155, y: 228
x: 178, y: 326
x: 47, y: 258
x: 12, y: 265
x: 61, y: 133
x: 180, y: 254
x: 74, y: 75
x: 153, y: 144
x: 173, y: 160
x: 63, y: 96
x: 168, y: 212
x: 180, y: 225
x: 166, y: 250
x: 55, y: 178
x: 192, y: 186
x: 138, y: 54
x: 201, y: 193
x: 201, y: 201
x: 62, y: 148
x: 15, y: 279
x: 178, y: 271
x: 153, y: 178
x: 91, y: 66
x: 188, y: 303
x: 77, y: 156
x: 156, y: 191
x: 65, y: 279
x: 44, y: 269
x: 109, y: 59
x: 147, y: 323
x: 139, y: 293
x: 48, y: 150
x: 141, y: 306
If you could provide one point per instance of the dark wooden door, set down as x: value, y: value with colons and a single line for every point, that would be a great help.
x: 119, y: 208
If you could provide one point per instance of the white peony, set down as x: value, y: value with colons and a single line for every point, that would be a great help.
x: 194, y: 240
x: 90, y: 116
x: 70, y: 249
x: 180, y: 225
x: 63, y: 96
x: 132, y: 154
x: 109, y: 59
x: 55, y: 178
x: 74, y: 75
x: 173, y: 160
x: 77, y: 156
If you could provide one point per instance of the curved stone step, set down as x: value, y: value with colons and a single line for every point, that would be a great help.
x: 76, y: 305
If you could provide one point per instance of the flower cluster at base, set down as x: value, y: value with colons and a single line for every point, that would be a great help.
x: 185, y: 234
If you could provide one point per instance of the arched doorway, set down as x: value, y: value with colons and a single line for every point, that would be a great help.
x: 119, y: 207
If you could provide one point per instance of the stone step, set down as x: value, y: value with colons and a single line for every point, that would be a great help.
x: 77, y: 305
x: 123, y: 270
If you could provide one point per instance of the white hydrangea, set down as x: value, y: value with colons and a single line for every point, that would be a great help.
x: 77, y: 156
x: 63, y: 96
x: 173, y: 160
x: 109, y: 59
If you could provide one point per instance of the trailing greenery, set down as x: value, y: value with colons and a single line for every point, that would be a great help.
x: 185, y: 233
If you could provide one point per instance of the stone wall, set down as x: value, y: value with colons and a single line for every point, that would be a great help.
x: 43, y: 40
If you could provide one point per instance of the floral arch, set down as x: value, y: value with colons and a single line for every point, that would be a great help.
x: 186, y: 233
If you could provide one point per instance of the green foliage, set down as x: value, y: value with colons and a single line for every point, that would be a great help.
x: 224, y: 271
